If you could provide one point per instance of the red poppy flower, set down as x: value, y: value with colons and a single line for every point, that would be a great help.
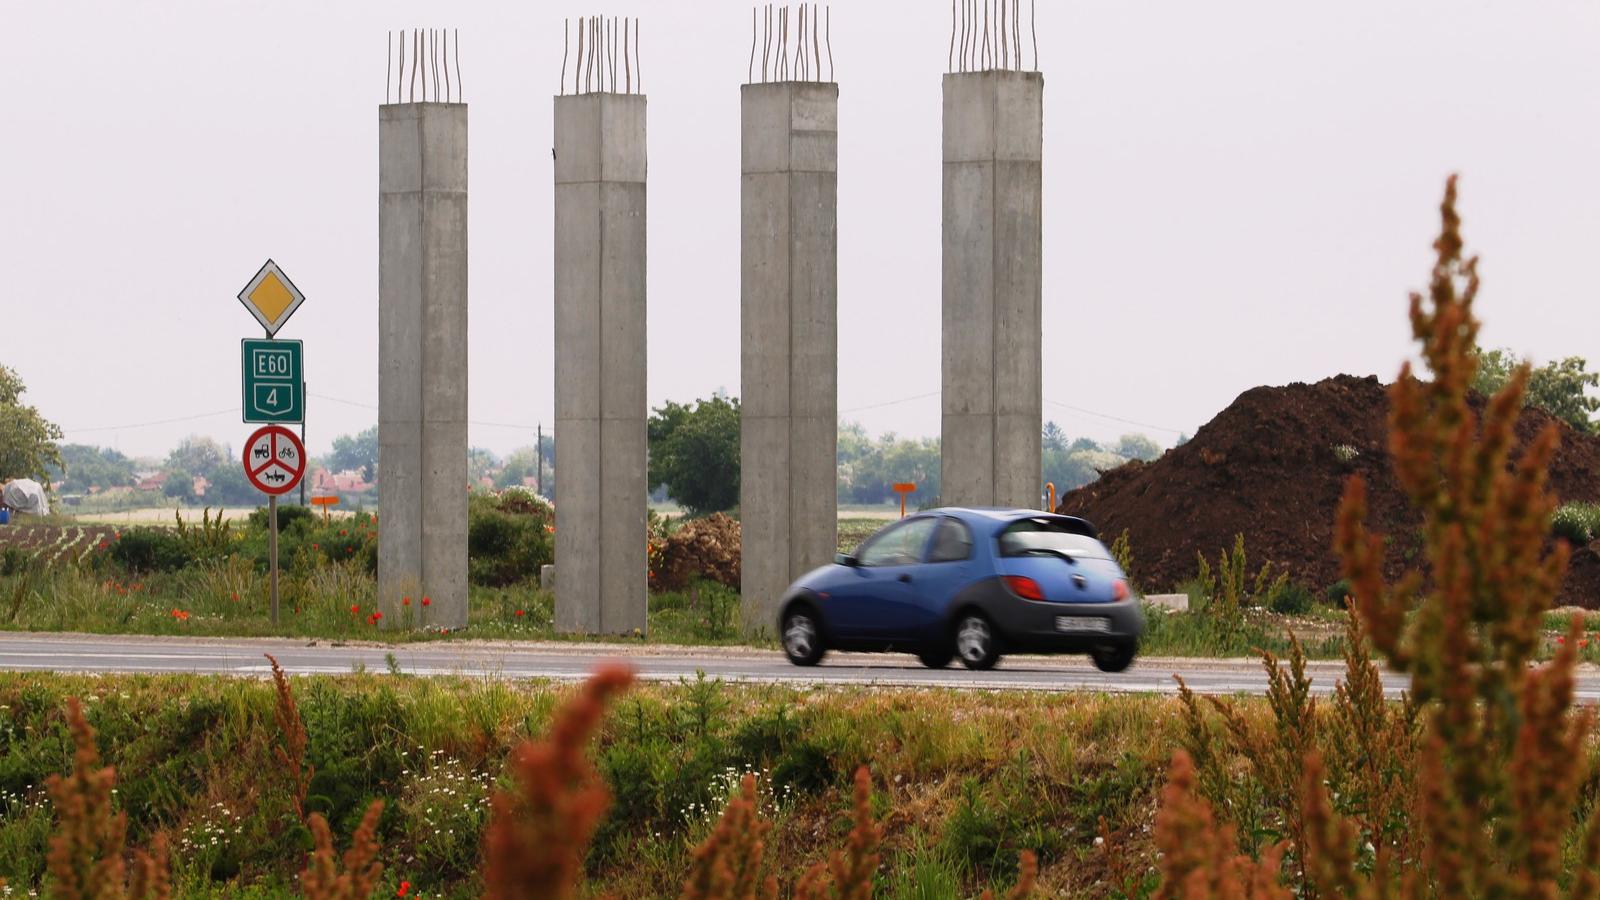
x: 314, y: 547
x: 406, y: 602
x: 405, y: 886
x: 354, y: 609
x: 426, y: 601
x: 236, y: 596
x: 519, y: 612
x: 342, y: 532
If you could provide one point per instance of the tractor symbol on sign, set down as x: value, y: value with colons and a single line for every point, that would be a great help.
x: 262, y: 451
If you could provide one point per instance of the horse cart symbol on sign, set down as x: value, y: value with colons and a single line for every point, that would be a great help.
x: 274, y: 460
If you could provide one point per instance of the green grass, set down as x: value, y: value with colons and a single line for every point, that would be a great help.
x: 963, y: 781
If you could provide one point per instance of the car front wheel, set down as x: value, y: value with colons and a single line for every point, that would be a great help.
x: 802, y: 637
x: 1113, y: 658
x: 976, y: 643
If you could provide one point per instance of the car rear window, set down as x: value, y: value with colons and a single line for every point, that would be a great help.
x: 1048, y: 534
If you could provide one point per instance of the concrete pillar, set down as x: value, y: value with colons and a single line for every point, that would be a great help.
x: 993, y: 137
x: 788, y: 289
x: 422, y: 362
x: 601, y: 495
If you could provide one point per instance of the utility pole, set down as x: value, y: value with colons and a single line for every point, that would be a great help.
x: 538, y: 471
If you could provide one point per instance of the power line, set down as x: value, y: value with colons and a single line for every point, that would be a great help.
x: 888, y: 403
x: 206, y: 415
x: 374, y: 408
x: 1112, y: 418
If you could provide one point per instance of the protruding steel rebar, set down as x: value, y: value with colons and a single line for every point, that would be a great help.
x: 388, y: 62
x: 828, y: 36
x: 1033, y: 24
x: 416, y: 54
x: 444, y: 41
x: 461, y: 87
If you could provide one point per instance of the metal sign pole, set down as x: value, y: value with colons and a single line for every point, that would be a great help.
x: 272, y: 550
x: 303, y: 440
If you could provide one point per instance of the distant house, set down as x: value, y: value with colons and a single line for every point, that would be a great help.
x: 151, y: 481
x: 200, y: 485
x: 349, y: 481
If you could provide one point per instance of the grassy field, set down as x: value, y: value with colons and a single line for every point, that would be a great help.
x: 962, y: 781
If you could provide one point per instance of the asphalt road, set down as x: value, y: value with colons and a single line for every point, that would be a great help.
x: 570, y: 661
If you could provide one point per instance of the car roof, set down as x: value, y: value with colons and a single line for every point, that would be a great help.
x: 998, y: 515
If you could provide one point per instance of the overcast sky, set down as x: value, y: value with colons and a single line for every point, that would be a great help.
x: 1236, y: 193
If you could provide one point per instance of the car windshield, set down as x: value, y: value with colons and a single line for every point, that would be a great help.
x: 1048, y: 535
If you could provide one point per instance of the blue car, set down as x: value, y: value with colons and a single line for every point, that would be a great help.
x: 971, y: 583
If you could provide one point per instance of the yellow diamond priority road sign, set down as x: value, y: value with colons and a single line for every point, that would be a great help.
x: 271, y: 297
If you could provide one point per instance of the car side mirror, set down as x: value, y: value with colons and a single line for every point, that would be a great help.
x: 844, y: 559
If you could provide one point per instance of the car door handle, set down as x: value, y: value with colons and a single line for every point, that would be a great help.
x: 905, y: 579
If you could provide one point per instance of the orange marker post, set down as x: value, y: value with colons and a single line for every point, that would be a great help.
x: 1050, y: 488
x: 325, y: 502
x: 903, y: 488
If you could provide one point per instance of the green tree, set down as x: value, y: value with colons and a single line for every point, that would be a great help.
x: 179, y: 485
x: 197, y: 454
x: 694, y: 452
x: 480, y: 462
x: 1054, y: 438
x: 27, y: 440
x: 84, y: 467
x: 1559, y: 388
x: 1137, y: 446
x: 359, y: 451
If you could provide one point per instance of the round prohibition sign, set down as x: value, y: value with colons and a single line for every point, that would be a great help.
x: 274, y: 460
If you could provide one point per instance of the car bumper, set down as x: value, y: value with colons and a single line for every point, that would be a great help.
x: 1044, y: 625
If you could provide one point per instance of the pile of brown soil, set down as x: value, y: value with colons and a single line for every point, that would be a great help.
x: 1272, y: 466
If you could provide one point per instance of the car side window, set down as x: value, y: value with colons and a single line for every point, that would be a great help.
x: 898, y: 545
x: 952, y: 542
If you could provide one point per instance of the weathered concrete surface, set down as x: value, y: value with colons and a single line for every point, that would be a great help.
x: 422, y: 361
x: 992, y: 276
x: 788, y: 290
x: 600, y: 363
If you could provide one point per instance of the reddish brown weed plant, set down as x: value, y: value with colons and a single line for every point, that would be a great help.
x: 292, y: 752
x: 727, y: 865
x: 323, y: 879
x: 1496, y: 808
x: 1200, y: 856
x: 86, y: 858
x: 537, y: 836
x: 848, y: 873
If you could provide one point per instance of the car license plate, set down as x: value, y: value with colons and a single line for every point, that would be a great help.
x: 1083, y: 623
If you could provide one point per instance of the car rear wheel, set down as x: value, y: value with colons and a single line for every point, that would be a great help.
x: 936, y: 657
x: 1113, y: 657
x: 802, y: 636
x: 976, y: 643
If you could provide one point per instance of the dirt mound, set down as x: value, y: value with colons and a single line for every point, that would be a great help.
x: 1272, y: 466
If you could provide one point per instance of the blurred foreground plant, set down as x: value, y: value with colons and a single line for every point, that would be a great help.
x: 1497, y: 811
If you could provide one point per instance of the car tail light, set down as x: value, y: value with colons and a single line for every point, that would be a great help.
x: 1024, y: 587
x: 1119, y: 591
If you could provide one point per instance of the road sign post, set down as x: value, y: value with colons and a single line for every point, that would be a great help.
x: 274, y: 462
x: 903, y: 488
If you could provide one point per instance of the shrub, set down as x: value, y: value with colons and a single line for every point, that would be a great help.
x: 1230, y: 591
x: 1579, y: 523
x: 1291, y: 599
x: 1338, y: 592
x: 151, y: 550
x: 288, y: 516
x: 509, y: 536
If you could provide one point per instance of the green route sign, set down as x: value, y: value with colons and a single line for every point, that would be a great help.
x: 274, y: 381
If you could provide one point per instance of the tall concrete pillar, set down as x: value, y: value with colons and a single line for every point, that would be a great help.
x: 601, y: 494
x: 993, y: 137
x: 422, y: 361
x: 788, y: 291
